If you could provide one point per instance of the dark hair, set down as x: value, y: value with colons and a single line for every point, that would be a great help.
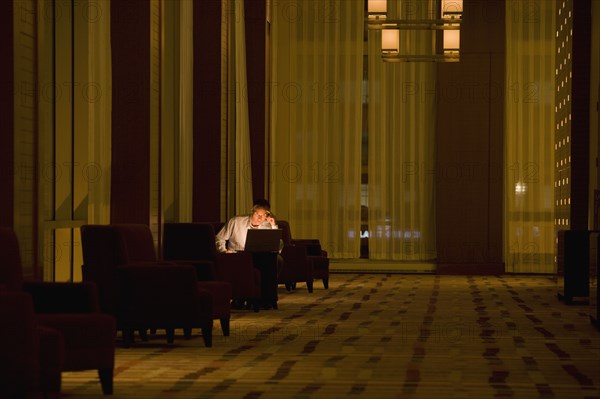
x: 262, y: 202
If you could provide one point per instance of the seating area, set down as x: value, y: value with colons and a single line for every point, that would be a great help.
x: 194, y: 243
x: 129, y: 292
x: 143, y: 293
x: 48, y: 328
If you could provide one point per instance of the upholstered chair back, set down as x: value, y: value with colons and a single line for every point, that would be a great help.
x: 189, y: 241
x: 138, y: 243
x: 286, y: 232
x: 103, y: 253
x: 11, y: 272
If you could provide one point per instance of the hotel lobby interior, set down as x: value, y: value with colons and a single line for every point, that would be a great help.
x: 433, y: 165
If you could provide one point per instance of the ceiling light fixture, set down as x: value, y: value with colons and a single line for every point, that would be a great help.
x: 444, y: 26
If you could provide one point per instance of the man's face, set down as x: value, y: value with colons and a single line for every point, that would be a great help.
x: 259, y: 216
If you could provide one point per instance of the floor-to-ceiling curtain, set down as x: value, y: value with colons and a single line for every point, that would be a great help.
x: 529, y: 135
x: 99, y: 123
x: 401, y: 135
x: 176, y: 110
x: 314, y: 173
x: 186, y: 96
x: 240, y: 129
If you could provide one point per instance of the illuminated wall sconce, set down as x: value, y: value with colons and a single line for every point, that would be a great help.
x: 390, y: 41
x: 451, y: 10
x: 446, y: 22
x: 451, y: 41
x: 377, y: 9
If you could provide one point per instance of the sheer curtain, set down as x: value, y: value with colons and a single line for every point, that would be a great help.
x: 99, y: 122
x: 239, y: 130
x: 401, y: 131
x: 315, y: 153
x: 185, y: 112
x: 529, y: 135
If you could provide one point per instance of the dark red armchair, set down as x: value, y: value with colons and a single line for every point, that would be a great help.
x: 139, y: 245
x: 295, y: 268
x: 195, y: 243
x: 314, y: 252
x: 145, y: 295
x: 31, y: 356
x: 72, y: 309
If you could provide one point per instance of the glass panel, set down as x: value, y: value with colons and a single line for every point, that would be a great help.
x: 75, y: 93
x: 62, y: 255
x: 529, y: 132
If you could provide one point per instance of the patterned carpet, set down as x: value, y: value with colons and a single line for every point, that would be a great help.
x: 378, y: 336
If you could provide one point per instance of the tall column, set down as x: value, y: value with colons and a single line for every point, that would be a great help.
x: 130, y: 174
x: 208, y: 45
x: 7, y: 128
x: 573, y: 114
x: 255, y: 12
x: 469, y: 146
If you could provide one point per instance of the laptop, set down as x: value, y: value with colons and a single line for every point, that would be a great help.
x: 263, y: 240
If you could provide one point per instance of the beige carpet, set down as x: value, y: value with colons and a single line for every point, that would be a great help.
x: 378, y: 336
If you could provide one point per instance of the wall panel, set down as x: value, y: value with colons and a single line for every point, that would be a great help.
x: 469, y: 146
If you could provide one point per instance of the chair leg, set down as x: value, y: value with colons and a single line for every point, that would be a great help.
x: 187, y: 333
x: 237, y: 304
x: 288, y: 287
x: 225, y: 326
x: 106, y: 380
x: 127, y: 337
x: 309, y: 285
x: 170, y: 335
x: 207, y: 334
x: 326, y: 283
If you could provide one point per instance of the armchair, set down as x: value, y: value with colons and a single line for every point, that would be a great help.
x: 195, y: 243
x: 296, y: 267
x: 314, y: 252
x: 143, y: 295
x: 71, y: 309
x: 184, y: 243
x: 139, y: 248
x: 31, y: 356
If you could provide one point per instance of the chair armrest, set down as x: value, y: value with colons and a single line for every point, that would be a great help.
x: 168, y: 294
x: 296, y: 264
x: 205, y: 269
x: 230, y: 265
x: 238, y: 269
x: 157, y: 283
x: 19, y: 340
x: 63, y: 297
x: 313, y: 246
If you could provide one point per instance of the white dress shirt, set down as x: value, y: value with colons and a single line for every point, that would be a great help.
x: 232, y: 236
